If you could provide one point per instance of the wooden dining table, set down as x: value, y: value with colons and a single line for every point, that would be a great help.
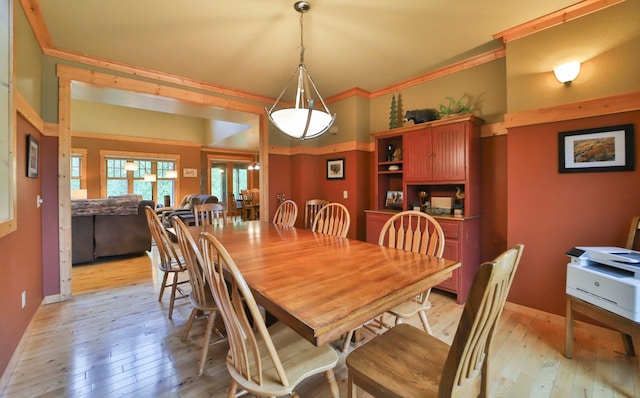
x: 323, y: 286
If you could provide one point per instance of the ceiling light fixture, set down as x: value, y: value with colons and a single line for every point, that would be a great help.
x: 171, y: 174
x: 566, y: 73
x: 131, y: 166
x: 150, y: 177
x: 302, y: 120
x: 255, y: 165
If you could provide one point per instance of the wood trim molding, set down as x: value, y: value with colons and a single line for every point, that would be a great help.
x: 555, y: 18
x: 324, y: 150
x: 486, y: 57
x: 576, y: 110
x: 33, y: 12
x: 125, y: 83
x: 115, y: 137
x: 51, y: 129
x: 492, y: 129
x: 348, y: 94
x: 24, y: 108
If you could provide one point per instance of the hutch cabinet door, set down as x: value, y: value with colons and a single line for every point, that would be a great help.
x: 417, y: 155
x: 449, y: 152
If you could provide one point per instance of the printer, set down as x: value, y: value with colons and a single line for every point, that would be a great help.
x: 608, y: 277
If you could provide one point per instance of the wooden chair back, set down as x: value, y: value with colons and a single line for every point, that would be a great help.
x: 166, y: 250
x: 632, y: 240
x: 332, y: 219
x: 192, y: 259
x: 233, y: 298
x: 413, y: 231
x: 311, y: 209
x: 209, y: 214
x: 232, y: 206
x: 465, y: 370
x: 248, y: 204
x: 286, y: 213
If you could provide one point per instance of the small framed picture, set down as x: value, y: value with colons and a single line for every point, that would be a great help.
x: 335, y: 169
x: 598, y: 149
x: 186, y: 172
x: 33, y: 160
x: 394, y: 200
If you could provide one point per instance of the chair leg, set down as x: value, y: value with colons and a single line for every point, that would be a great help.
x: 205, y: 344
x: 351, y: 387
x: 163, y: 285
x: 174, y: 287
x: 425, y: 322
x: 233, y: 387
x: 331, y: 378
x: 347, y: 341
x: 187, y: 327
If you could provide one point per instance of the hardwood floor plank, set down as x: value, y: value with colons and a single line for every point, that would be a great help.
x: 114, y: 339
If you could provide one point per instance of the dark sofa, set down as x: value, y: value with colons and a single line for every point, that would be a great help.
x: 108, y: 227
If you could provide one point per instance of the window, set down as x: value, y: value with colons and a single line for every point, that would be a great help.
x: 7, y: 122
x: 221, y: 180
x: 149, y: 178
x: 78, y: 169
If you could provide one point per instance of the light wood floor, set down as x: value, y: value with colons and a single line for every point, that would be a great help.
x: 114, y: 339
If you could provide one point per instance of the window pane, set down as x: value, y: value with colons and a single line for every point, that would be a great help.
x: 144, y: 188
x: 165, y: 187
x: 75, y: 166
x: 219, y: 180
x: 75, y: 184
x: 240, y: 174
x: 116, y: 187
x: 115, y: 168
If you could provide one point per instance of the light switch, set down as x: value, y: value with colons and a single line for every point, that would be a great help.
x: 345, y: 194
x: 38, y: 201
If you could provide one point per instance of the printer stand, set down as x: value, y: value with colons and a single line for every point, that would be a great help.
x: 628, y: 328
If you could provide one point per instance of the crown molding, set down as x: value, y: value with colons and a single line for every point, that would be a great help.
x: 553, y: 19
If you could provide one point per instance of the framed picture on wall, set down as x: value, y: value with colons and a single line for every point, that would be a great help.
x: 335, y: 169
x: 33, y: 147
x: 598, y: 149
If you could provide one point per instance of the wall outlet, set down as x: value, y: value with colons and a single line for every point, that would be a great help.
x: 24, y: 298
x: 345, y: 194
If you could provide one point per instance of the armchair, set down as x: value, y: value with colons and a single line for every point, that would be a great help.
x: 185, y: 209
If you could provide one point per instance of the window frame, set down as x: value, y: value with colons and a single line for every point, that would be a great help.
x: 82, y: 154
x: 141, y: 156
x: 8, y: 213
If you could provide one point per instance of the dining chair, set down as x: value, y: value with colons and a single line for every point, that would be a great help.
x: 286, y: 213
x: 233, y: 211
x: 311, y: 208
x: 416, y: 232
x: 264, y: 361
x: 170, y: 262
x: 407, y: 362
x: 632, y: 239
x: 248, y: 209
x: 202, y: 301
x: 332, y: 219
x: 420, y: 233
x: 209, y: 214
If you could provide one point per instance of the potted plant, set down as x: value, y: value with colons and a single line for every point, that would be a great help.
x: 455, y: 106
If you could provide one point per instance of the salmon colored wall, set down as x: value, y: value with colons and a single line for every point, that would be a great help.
x: 551, y: 212
x: 280, y: 181
x: 189, y: 158
x: 493, y: 183
x: 21, y: 264
x: 50, y: 223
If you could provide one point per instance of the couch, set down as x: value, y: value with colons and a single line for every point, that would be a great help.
x: 108, y: 227
x: 185, y: 209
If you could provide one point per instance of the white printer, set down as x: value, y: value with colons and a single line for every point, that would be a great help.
x: 608, y: 277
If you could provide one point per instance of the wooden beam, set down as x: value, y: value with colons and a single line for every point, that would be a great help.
x: 576, y: 110
x: 555, y: 18
x: 24, y: 108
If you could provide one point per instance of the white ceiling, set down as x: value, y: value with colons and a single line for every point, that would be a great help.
x: 252, y: 45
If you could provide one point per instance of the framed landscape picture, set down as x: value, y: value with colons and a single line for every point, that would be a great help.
x: 33, y: 147
x: 598, y: 149
x: 335, y: 169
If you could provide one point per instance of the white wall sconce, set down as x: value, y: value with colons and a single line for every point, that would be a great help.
x: 150, y: 177
x: 566, y: 73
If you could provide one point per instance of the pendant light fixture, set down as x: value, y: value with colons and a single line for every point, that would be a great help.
x: 304, y: 119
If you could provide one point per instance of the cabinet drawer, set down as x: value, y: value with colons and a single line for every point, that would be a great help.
x: 451, y: 229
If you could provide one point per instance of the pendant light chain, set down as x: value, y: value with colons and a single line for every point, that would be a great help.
x: 301, y: 39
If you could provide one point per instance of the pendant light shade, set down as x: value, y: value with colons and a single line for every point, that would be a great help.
x: 309, y: 117
x: 130, y: 166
